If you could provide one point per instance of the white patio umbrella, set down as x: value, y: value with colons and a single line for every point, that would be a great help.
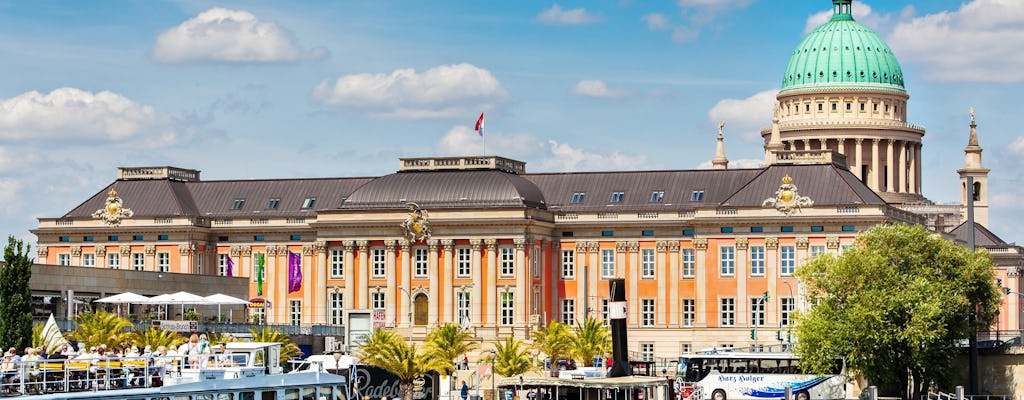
x: 125, y: 298
x: 223, y: 299
x: 181, y: 298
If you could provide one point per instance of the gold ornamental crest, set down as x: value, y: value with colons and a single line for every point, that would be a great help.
x: 113, y: 211
x: 788, y: 199
x: 416, y: 226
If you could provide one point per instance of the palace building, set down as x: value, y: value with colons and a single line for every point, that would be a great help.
x: 707, y: 255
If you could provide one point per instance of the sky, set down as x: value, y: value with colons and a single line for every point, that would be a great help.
x: 266, y: 89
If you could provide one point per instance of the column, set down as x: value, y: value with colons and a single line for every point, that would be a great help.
x: 582, y: 269
x: 630, y: 250
x: 124, y: 260
x: 823, y: 144
x: 917, y: 168
x: 858, y: 153
x: 902, y: 163
x: 841, y: 148
x: 889, y: 165
x: 150, y: 262
x: 700, y: 247
x: 875, y: 164
x: 448, y: 314
x: 184, y: 250
x: 320, y: 286
x: 405, y: 250
x: 742, y: 308
x: 350, y: 287
x: 435, y: 293
x: 522, y: 283
x: 673, y: 282
x: 364, y: 275
x: 486, y: 317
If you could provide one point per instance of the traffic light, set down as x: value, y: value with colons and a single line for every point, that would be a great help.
x: 753, y: 334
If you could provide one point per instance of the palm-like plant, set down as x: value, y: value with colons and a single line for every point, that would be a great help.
x: 101, y: 327
x: 511, y: 357
x: 590, y: 339
x: 155, y: 337
x: 556, y: 341
x: 449, y: 341
x: 386, y: 350
x: 289, y: 350
x: 217, y: 338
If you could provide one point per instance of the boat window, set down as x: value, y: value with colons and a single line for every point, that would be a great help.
x: 291, y: 394
x: 325, y: 392
x: 339, y: 393
x: 225, y: 396
x: 259, y: 358
x: 204, y: 397
x: 308, y: 393
x: 185, y: 397
x: 269, y: 395
x: 161, y: 398
x: 247, y: 396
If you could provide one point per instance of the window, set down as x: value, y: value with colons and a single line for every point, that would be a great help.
x: 259, y: 315
x: 137, y: 237
x: 647, y: 233
x: 727, y: 311
x: 161, y: 237
x: 787, y: 265
x: 219, y: 238
x: 337, y: 263
x: 259, y: 238
x: 757, y: 260
x: 689, y: 312
x: 295, y: 312
x: 786, y: 229
x: 343, y: 200
x: 689, y: 263
x: 273, y: 203
x: 617, y: 197
x: 657, y: 196
x: 848, y: 228
x: 817, y: 228
x: 113, y: 260
x: 756, y: 229
x: 295, y: 237
x: 507, y: 260
x: 88, y: 260
x: 222, y: 265
x: 309, y: 202
x: 237, y: 204
x: 577, y: 197
x: 687, y: 232
x: 337, y: 305
x: 757, y: 311
x: 786, y: 310
x: 508, y: 304
x: 199, y: 265
x: 464, y: 261
x: 726, y: 229
x: 377, y: 259
x: 138, y: 261
x: 862, y: 106
x: 567, y: 234
x: 568, y: 264
x: 647, y: 351
x: 685, y: 348
x: 607, y: 233
x: 646, y: 312
x: 64, y: 259
x: 821, y: 106
x: 647, y: 263
x: 607, y: 263
x: 818, y: 249
x: 420, y: 262
x: 64, y: 239
x: 462, y: 305
x: 697, y: 195
x: 163, y: 262
x: 727, y: 261
x: 112, y: 238
x: 377, y: 300
x: 835, y: 107
x: 86, y: 238
x: 569, y: 311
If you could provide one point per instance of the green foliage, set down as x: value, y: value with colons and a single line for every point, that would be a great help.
x: 591, y: 339
x: 556, y: 341
x: 895, y: 306
x: 450, y: 342
x: 511, y: 357
x: 155, y: 337
x: 191, y: 315
x: 101, y: 327
x: 217, y: 338
x: 289, y: 350
x: 386, y: 350
x: 16, y: 307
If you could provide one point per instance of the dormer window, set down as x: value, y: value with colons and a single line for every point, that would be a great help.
x: 309, y: 202
x: 697, y: 195
x: 617, y: 197
x: 577, y: 197
x: 273, y: 203
x: 237, y: 204
x: 657, y: 196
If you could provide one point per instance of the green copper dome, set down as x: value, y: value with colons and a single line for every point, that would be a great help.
x: 842, y: 53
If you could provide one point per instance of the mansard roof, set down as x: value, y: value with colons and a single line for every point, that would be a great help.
x: 825, y: 184
x: 447, y: 189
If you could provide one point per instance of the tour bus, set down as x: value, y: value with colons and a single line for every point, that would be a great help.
x: 741, y: 375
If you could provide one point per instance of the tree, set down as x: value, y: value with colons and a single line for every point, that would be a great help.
x: 511, y: 358
x: 590, y: 339
x: 555, y: 341
x: 289, y: 350
x: 101, y: 327
x: 386, y: 350
x: 449, y: 342
x: 15, y: 306
x: 895, y: 307
x: 155, y: 337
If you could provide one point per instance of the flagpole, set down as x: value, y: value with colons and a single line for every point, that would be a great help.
x: 484, y: 137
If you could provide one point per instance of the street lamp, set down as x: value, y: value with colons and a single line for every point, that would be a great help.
x: 789, y: 328
x: 408, y: 296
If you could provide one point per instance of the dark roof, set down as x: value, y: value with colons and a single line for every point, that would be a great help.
x: 146, y: 198
x: 447, y: 189
x: 825, y: 184
x: 982, y: 236
x: 638, y: 186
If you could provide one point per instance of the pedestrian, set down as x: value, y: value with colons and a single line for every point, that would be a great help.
x: 465, y: 361
x: 465, y: 391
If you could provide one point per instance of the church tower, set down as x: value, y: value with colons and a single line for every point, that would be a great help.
x: 973, y: 168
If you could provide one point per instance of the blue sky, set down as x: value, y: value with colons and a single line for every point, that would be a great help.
x: 261, y: 89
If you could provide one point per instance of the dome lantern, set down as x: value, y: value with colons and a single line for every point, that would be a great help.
x: 842, y: 9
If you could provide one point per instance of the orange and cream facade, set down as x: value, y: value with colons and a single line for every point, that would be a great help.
x: 481, y: 242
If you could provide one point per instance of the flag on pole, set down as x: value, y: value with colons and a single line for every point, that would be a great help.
x: 480, y: 125
x: 259, y: 273
x: 294, y: 272
x: 229, y: 271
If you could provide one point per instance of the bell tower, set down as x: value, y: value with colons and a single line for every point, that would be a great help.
x: 973, y: 168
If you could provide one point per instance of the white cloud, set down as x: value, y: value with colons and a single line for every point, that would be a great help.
x: 694, y: 16
x: 542, y: 155
x: 656, y: 21
x: 1017, y: 147
x: 982, y: 41
x: 558, y: 16
x: 596, y: 88
x: 464, y: 141
x: 862, y: 12
x: 441, y: 92
x: 745, y: 116
x: 70, y: 114
x: 565, y: 157
x: 742, y: 163
x: 223, y: 35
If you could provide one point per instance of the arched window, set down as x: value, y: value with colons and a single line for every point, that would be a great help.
x: 977, y: 191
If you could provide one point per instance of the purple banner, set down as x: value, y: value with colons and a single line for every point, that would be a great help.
x: 231, y: 267
x: 294, y: 272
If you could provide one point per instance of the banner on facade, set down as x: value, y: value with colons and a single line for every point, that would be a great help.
x: 177, y: 326
x: 379, y: 318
